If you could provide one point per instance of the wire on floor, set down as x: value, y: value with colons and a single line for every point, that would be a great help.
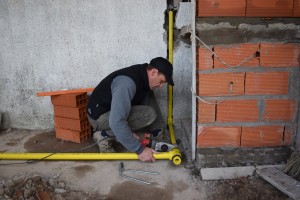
x: 51, y: 154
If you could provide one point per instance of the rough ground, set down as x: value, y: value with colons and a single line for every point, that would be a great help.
x: 100, y: 179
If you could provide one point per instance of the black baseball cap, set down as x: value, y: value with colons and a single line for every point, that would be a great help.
x: 165, y: 67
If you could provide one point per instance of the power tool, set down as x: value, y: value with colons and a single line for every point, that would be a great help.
x: 157, y: 146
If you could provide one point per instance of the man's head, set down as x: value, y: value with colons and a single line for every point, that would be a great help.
x: 160, y: 71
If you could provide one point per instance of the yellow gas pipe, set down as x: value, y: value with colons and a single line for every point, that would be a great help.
x: 174, y: 155
x: 170, y: 88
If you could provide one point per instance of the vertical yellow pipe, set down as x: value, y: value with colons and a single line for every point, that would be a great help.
x: 170, y: 88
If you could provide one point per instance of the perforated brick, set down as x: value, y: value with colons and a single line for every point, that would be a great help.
x: 217, y: 84
x: 204, y: 59
x: 266, y: 83
x: 70, y: 100
x: 206, y: 112
x: 235, y: 54
x: 71, y: 124
x: 279, y: 110
x: 269, y: 8
x: 70, y: 112
x: 279, y: 55
x: 218, y: 136
x: 73, y: 136
x: 221, y: 8
x: 262, y: 136
x: 237, y: 111
x: 296, y: 10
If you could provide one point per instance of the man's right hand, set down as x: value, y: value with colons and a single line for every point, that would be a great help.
x: 147, y: 155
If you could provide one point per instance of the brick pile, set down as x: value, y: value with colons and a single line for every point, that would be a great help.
x: 261, y: 109
x: 70, y: 117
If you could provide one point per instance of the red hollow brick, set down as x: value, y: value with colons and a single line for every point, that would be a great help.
x: 220, y: 8
x: 279, y: 55
x: 235, y: 54
x: 296, y: 10
x: 204, y: 59
x: 280, y: 109
x: 206, y: 112
x: 73, y: 136
x: 266, y: 83
x: 70, y: 112
x: 218, y: 84
x: 262, y: 136
x: 218, y: 136
x: 237, y: 111
x: 71, y: 124
x: 269, y: 8
x: 71, y: 100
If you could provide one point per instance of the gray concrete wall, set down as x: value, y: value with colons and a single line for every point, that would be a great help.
x: 232, y: 30
x: 65, y: 44
x: 182, y: 61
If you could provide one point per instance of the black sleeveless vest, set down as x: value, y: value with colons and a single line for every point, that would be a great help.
x: 100, y: 99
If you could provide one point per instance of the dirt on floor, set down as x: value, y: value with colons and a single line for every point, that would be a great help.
x: 247, y: 188
x: 25, y: 185
x: 30, y: 186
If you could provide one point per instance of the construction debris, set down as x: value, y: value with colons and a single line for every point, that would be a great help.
x: 281, y: 181
x: 32, y: 186
x: 293, y: 166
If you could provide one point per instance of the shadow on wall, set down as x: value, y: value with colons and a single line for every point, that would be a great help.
x: 4, y: 121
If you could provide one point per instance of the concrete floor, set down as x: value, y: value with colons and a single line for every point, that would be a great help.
x: 102, y: 177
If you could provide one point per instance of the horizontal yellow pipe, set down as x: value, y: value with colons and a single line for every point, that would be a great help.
x: 173, y: 155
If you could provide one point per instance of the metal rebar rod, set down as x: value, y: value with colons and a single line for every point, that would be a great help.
x: 141, y: 172
x: 134, y: 179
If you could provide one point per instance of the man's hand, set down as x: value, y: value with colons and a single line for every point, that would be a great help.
x: 147, y: 155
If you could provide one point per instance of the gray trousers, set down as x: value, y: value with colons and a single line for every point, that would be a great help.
x: 140, y: 117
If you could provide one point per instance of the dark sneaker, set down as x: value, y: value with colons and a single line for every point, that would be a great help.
x: 105, y: 141
x: 156, y: 134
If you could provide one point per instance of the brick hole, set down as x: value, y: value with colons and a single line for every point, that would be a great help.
x: 257, y: 54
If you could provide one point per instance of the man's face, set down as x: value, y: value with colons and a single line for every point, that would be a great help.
x: 156, y: 79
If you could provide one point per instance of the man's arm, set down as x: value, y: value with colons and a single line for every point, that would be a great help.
x: 123, y: 89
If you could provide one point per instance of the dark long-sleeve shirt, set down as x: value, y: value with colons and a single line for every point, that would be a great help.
x: 123, y: 90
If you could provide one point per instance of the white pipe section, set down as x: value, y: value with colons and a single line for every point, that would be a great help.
x: 194, y: 71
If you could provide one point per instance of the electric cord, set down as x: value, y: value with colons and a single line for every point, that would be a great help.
x: 224, y: 63
x: 230, y: 66
x: 51, y: 154
x: 215, y: 102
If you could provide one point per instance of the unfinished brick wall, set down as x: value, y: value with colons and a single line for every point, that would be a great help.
x: 261, y: 107
x: 248, y: 8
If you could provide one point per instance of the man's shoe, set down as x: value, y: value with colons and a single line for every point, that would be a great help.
x: 105, y: 141
x: 157, y: 134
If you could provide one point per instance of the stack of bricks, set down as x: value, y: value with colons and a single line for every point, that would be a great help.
x: 70, y: 117
x: 261, y: 110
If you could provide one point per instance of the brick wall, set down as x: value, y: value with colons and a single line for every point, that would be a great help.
x: 248, y: 8
x: 257, y: 102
